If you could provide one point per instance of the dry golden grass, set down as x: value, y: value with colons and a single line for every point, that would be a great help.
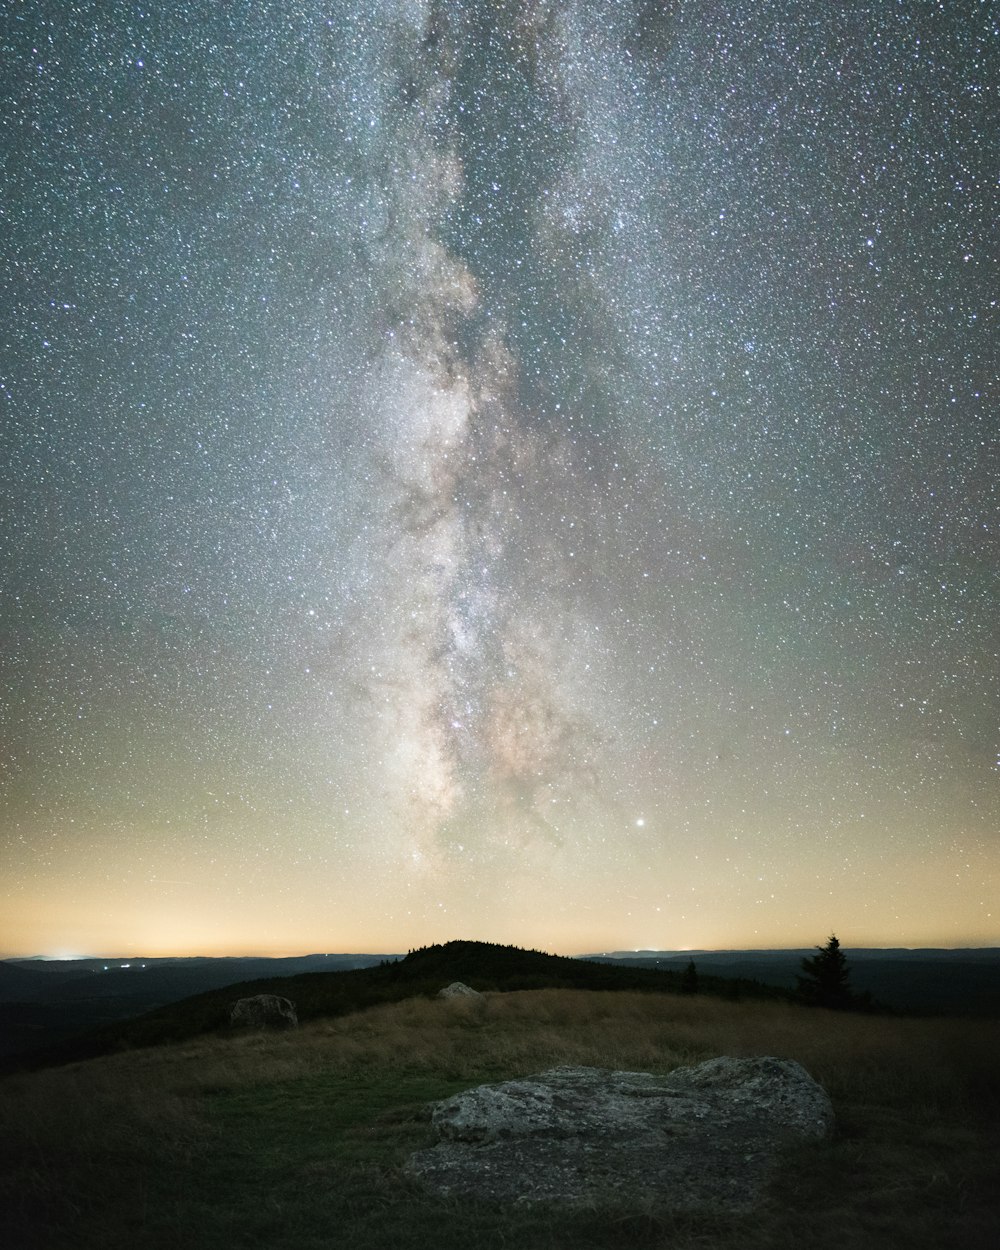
x: 881, y: 1059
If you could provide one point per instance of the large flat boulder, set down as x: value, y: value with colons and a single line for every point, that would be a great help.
x: 701, y: 1138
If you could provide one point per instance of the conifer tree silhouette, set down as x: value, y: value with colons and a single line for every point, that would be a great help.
x: 827, y: 977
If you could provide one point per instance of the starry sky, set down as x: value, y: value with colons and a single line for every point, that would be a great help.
x: 509, y: 469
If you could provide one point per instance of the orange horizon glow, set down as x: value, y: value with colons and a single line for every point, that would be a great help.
x: 249, y: 953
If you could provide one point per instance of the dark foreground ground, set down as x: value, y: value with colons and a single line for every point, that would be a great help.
x: 295, y: 1141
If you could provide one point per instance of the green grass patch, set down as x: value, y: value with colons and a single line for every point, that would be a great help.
x: 331, y: 1118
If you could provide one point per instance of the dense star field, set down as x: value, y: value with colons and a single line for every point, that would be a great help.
x: 515, y: 470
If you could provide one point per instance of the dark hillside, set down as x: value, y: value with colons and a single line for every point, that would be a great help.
x: 423, y: 972
x: 486, y: 966
x: 17, y: 982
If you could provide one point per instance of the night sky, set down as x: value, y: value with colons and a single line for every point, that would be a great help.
x: 523, y: 471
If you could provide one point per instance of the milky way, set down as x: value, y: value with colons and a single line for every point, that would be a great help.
x: 511, y: 470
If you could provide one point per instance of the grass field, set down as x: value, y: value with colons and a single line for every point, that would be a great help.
x: 296, y: 1139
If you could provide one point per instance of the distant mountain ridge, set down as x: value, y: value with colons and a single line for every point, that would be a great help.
x: 963, y: 981
x: 201, y: 971
x: 780, y: 952
x: 46, y: 1001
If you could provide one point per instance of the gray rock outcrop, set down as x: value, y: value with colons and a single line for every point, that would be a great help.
x: 458, y: 989
x: 701, y: 1138
x: 264, y: 1011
